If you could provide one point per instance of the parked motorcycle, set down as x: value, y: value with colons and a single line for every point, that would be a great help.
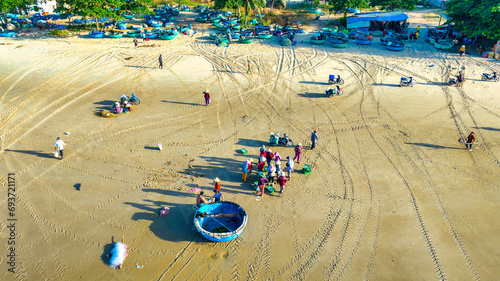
x: 330, y: 92
x: 285, y: 141
x: 333, y: 80
x: 452, y: 81
x: 406, y: 82
x: 133, y: 100
x: 487, y: 76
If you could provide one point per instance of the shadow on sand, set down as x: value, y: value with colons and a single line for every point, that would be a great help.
x: 33, y: 152
x: 176, y: 226
x: 186, y: 103
x: 429, y: 145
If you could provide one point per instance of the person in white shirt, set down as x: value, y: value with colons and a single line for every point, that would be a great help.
x: 60, y: 146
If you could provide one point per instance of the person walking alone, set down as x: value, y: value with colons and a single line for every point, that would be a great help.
x: 160, y: 61
x: 314, y: 138
x: 461, y: 51
x: 135, y: 42
x: 298, y: 151
x: 470, y: 140
x: 249, y: 70
x: 207, y: 97
x: 60, y: 146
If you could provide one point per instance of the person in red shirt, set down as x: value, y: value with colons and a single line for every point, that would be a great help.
x: 207, y: 97
x: 282, y: 182
x: 217, y: 184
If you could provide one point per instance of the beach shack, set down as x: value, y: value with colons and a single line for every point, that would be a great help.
x: 378, y: 21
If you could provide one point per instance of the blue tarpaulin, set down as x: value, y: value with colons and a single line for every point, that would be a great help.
x: 363, y: 20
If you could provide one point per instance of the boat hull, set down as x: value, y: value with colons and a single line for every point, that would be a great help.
x: 220, y: 221
x: 363, y: 41
x: 7, y: 34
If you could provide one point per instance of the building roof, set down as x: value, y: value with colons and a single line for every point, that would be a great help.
x: 391, y: 16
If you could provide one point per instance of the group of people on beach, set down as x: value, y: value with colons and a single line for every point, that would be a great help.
x: 267, y: 176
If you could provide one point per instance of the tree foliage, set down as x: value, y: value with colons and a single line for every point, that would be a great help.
x: 475, y: 17
x: 344, y: 5
x: 98, y: 9
x: 7, y: 6
x: 391, y: 5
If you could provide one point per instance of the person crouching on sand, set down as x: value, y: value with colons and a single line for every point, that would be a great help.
x: 200, y: 200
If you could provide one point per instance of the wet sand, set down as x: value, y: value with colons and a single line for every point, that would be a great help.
x: 392, y: 194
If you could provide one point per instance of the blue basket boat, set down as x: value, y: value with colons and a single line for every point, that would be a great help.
x: 97, y: 34
x: 152, y: 35
x: 7, y: 34
x: 220, y: 221
x: 395, y: 46
x: 363, y: 41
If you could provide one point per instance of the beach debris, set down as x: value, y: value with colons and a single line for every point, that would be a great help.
x: 6, y: 43
x: 129, y: 58
x: 67, y: 133
x: 20, y: 46
x: 190, y: 164
x: 194, y: 190
x: 138, y: 266
x: 107, y: 114
x: 431, y: 65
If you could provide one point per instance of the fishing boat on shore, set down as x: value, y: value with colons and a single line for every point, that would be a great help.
x: 444, y: 45
x: 339, y: 43
x: 395, y: 46
x: 220, y: 221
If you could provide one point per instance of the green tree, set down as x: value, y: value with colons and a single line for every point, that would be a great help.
x: 7, y: 6
x: 97, y: 9
x: 475, y: 17
x: 344, y: 5
x: 252, y: 4
x: 391, y: 5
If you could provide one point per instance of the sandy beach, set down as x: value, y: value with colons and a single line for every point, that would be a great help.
x: 392, y: 194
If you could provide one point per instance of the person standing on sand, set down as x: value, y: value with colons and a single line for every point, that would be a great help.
x: 60, y: 146
x: 136, y: 42
x: 207, y: 97
x: 245, y: 170
x: 269, y: 157
x: 314, y: 138
x: 282, y: 182
x: 461, y: 51
x: 200, y: 200
x: 470, y: 140
x: 261, y: 184
x: 271, y: 173
x: 160, y: 61
x: 217, y: 184
x: 249, y: 70
x: 143, y: 37
x: 298, y: 152
x: 289, y: 167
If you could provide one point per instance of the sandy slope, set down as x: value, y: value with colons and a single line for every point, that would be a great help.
x: 392, y: 196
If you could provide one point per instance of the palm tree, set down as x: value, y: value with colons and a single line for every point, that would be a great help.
x: 252, y: 4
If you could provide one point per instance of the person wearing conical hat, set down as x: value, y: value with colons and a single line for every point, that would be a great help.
x: 207, y: 97
x: 217, y: 184
x: 269, y: 157
x: 298, y: 152
x: 462, y: 50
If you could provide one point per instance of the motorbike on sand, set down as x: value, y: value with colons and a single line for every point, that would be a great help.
x: 405, y: 82
x: 487, y: 77
x: 275, y: 139
x: 335, y: 80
